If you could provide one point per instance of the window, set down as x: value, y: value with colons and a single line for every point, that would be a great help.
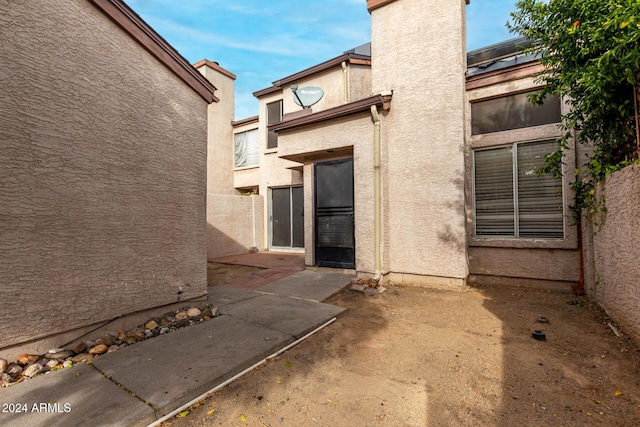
x: 246, y: 148
x: 510, y: 199
x: 512, y: 112
x: 274, y: 115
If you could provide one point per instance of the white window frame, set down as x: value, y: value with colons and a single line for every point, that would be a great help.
x: 252, y: 152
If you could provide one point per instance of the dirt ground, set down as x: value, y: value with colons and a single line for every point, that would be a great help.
x: 419, y: 357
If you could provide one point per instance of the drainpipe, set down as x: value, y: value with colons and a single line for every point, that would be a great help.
x: 376, y: 190
x: 345, y: 78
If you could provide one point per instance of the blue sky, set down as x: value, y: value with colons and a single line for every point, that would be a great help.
x: 263, y: 41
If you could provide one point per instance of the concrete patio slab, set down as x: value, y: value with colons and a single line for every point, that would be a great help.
x: 220, y: 295
x: 291, y: 316
x: 70, y: 397
x: 170, y: 370
x: 311, y: 285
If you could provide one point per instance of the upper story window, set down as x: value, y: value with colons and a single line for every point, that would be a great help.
x: 246, y: 148
x: 274, y: 115
x: 512, y: 112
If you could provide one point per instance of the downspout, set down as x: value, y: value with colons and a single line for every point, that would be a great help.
x: 345, y: 79
x: 376, y: 196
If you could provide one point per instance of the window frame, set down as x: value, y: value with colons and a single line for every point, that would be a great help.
x: 257, y: 148
x: 516, y: 195
x: 501, y: 138
x: 272, y: 136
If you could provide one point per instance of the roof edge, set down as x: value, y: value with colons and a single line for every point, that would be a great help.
x: 248, y: 120
x: 215, y: 66
x: 379, y: 100
x: 123, y: 16
x: 316, y: 69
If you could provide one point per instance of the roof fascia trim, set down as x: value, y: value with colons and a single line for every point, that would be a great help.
x: 379, y: 100
x: 316, y: 69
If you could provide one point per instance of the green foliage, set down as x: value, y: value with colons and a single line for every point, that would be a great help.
x: 591, y: 53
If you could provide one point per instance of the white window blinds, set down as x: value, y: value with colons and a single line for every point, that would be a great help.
x: 510, y: 199
x: 494, y: 192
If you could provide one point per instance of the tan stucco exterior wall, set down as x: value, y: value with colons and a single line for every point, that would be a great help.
x: 220, y: 156
x: 615, y: 251
x: 542, y: 263
x: 419, y: 51
x: 102, y: 164
x: 331, y: 82
x: 356, y: 133
x: 234, y: 224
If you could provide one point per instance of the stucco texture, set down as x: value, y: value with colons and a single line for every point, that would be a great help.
x: 419, y: 53
x: 235, y: 224
x: 616, y: 250
x: 354, y: 131
x: 102, y: 173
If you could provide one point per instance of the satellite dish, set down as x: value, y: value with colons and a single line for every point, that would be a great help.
x: 306, y: 96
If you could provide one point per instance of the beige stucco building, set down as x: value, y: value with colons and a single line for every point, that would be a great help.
x: 399, y: 172
x: 102, y: 172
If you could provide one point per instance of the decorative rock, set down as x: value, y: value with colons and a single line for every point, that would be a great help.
x: 137, y: 334
x: 79, y: 347
x: 151, y: 325
x: 182, y: 323
x: 122, y: 336
x: 82, y: 357
x: 32, y: 370
x: 215, y: 312
x: 5, y: 380
x: 112, y: 349
x: 67, y: 364
x: 193, y: 312
x: 108, y: 340
x: 181, y: 316
x: 164, y: 330
x: 13, y: 370
x: 358, y: 287
x: 99, y: 349
x: 52, y: 364
x: 3, y: 366
x: 60, y: 355
x: 148, y: 334
x: 381, y: 289
x: 27, y: 359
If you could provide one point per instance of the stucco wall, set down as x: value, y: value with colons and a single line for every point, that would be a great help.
x: 352, y: 131
x: 331, y: 82
x: 235, y: 224
x: 102, y: 165
x: 616, y: 251
x: 419, y: 53
x: 560, y: 265
x: 274, y: 171
x: 220, y: 155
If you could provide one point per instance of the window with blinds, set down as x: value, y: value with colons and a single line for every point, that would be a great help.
x: 511, y: 199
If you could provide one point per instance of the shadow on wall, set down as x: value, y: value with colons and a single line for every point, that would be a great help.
x: 220, y: 244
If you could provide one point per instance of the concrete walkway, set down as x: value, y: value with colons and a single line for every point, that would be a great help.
x: 139, y: 384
